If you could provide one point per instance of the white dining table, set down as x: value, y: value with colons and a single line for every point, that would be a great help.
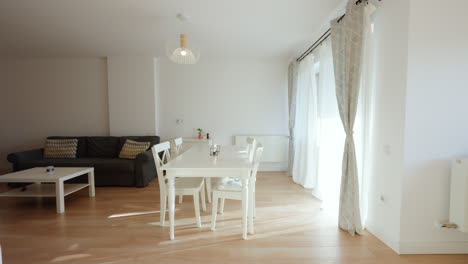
x: 231, y: 161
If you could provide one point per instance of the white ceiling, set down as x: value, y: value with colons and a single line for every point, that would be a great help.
x: 222, y: 28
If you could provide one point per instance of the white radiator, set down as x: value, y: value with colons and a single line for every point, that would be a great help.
x: 275, y: 153
x: 459, y: 194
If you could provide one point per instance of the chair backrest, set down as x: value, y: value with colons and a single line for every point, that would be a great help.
x: 251, y: 147
x: 257, y: 158
x: 178, y: 146
x: 160, y: 160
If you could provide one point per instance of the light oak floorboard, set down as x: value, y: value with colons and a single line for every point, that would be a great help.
x: 121, y: 225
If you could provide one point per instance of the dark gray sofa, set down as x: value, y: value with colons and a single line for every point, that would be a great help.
x: 102, y: 154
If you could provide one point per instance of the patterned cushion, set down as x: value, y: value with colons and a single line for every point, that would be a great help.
x: 81, y: 150
x: 60, y: 148
x: 132, y: 148
x: 229, y: 184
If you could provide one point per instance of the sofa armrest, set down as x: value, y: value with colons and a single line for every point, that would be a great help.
x: 144, y: 157
x: 28, y: 155
x: 24, y: 156
x: 145, y: 170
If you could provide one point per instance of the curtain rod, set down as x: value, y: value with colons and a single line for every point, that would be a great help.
x: 315, y: 45
x: 324, y: 36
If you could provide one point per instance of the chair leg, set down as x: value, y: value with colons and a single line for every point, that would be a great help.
x: 254, y: 205
x: 162, y: 210
x: 202, y: 193
x: 196, y: 203
x: 254, y: 200
x: 181, y: 198
x: 208, y: 188
x: 214, y: 211
x: 251, y: 204
x: 221, y: 206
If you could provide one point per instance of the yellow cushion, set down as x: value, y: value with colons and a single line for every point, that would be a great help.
x: 60, y: 148
x: 132, y: 148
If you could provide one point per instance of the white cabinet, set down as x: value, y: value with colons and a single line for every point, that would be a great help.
x: 459, y: 194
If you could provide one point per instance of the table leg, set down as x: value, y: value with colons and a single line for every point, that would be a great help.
x: 245, y: 207
x: 251, y: 207
x: 208, y: 188
x: 196, y: 205
x: 92, y: 191
x: 171, y: 197
x: 59, y: 197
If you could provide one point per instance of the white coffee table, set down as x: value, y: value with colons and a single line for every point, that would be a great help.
x: 58, y: 190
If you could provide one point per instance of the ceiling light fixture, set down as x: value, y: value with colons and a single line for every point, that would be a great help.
x: 178, y: 51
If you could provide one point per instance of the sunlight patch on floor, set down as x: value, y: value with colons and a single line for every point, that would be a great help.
x: 73, y: 247
x: 132, y: 214
x: 70, y: 257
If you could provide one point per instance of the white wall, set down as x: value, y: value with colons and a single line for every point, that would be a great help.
x: 225, y: 98
x: 420, y: 123
x: 132, y: 94
x: 140, y: 96
x: 391, y: 36
x: 45, y: 97
x: 436, y: 122
x: 157, y: 96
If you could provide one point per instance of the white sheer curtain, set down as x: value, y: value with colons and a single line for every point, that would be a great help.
x: 331, y: 135
x: 305, y: 132
x: 318, y: 132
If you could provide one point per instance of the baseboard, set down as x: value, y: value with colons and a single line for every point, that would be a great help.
x: 394, y: 245
x: 454, y: 247
x: 273, y: 166
x: 407, y: 248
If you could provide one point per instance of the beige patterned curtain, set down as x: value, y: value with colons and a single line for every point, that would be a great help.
x: 347, y: 42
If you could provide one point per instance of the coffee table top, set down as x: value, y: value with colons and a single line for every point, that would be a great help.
x: 40, y: 174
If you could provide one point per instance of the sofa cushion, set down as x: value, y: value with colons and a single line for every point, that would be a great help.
x: 103, y: 147
x: 38, y: 163
x: 115, y: 165
x: 82, y: 162
x: 60, y: 148
x: 81, y: 149
x: 115, y: 172
x: 131, y: 149
x: 152, y: 139
x: 78, y: 162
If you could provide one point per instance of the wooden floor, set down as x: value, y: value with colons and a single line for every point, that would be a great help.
x: 120, y: 225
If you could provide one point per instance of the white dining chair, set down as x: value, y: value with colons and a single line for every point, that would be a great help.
x: 178, y: 146
x: 183, y: 186
x: 251, y: 146
x: 252, y: 143
x: 231, y: 188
